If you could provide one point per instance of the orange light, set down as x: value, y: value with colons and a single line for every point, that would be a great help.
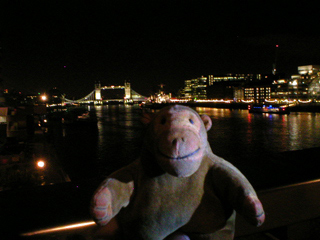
x: 60, y: 228
x: 43, y: 97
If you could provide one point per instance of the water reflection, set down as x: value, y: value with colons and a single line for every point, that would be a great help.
x: 119, y: 136
x: 303, y: 131
x: 236, y: 135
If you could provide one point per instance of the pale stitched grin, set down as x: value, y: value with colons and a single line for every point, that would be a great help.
x: 182, y: 157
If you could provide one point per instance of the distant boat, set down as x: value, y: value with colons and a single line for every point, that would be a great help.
x: 268, y: 108
x: 153, y: 105
x: 80, y: 116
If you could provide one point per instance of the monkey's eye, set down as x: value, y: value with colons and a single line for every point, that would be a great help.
x: 191, y: 121
x: 163, y: 121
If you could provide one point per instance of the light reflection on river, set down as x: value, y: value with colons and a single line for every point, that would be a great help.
x: 236, y: 135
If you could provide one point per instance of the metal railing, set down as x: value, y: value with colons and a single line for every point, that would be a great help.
x: 286, y: 208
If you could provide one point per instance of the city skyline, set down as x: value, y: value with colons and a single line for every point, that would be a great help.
x: 210, y: 80
x: 70, y: 45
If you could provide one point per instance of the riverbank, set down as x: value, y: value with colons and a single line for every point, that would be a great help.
x: 300, y: 107
x: 30, y: 163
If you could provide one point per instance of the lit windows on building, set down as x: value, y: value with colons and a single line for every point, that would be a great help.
x: 258, y: 94
x: 257, y: 87
x: 298, y: 88
x: 210, y: 80
x: 249, y: 93
x: 308, y: 69
x: 196, y: 88
x: 232, y: 77
x: 279, y: 89
x: 314, y: 88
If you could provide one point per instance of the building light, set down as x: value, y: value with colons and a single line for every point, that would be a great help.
x: 98, y: 95
x: 40, y: 164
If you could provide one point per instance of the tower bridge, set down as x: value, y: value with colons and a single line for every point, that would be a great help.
x: 95, y: 96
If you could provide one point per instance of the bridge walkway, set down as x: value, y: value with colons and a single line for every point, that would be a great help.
x: 292, y: 213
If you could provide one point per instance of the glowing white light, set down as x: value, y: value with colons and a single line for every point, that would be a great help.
x: 271, y: 101
x: 247, y: 101
x: 43, y: 97
x: 307, y: 101
x: 40, y: 164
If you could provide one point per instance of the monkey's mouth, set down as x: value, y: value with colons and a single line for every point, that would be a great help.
x: 179, y: 157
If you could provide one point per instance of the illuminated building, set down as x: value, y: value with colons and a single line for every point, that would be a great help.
x: 98, y: 91
x: 233, y: 85
x: 161, y: 96
x: 298, y: 87
x: 231, y: 77
x: 196, y: 88
x: 308, y: 70
x: 279, y: 89
x: 187, y: 89
x: 314, y: 88
x: 304, y: 85
x: 256, y: 87
x: 257, y: 93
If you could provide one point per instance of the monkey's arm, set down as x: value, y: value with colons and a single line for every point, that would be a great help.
x: 233, y: 186
x: 113, y: 194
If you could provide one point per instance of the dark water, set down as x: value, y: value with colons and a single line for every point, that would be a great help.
x: 88, y: 152
x: 249, y: 141
x: 237, y: 134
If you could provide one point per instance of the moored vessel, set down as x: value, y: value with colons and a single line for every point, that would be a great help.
x: 268, y: 108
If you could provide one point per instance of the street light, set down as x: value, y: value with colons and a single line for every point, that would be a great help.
x: 41, y: 164
x: 44, y: 97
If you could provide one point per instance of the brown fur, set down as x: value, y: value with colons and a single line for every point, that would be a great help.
x: 177, y: 189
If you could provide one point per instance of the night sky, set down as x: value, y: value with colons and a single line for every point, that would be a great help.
x: 72, y: 44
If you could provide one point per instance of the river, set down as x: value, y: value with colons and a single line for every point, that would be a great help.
x: 266, y: 148
x: 249, y: 141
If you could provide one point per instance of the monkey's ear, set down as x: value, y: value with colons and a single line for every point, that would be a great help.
x: 207, y: 121
x: 146, y: 118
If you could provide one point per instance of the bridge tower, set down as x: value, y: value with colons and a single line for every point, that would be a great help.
x: 127, y: 91
x: 97, y: 88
